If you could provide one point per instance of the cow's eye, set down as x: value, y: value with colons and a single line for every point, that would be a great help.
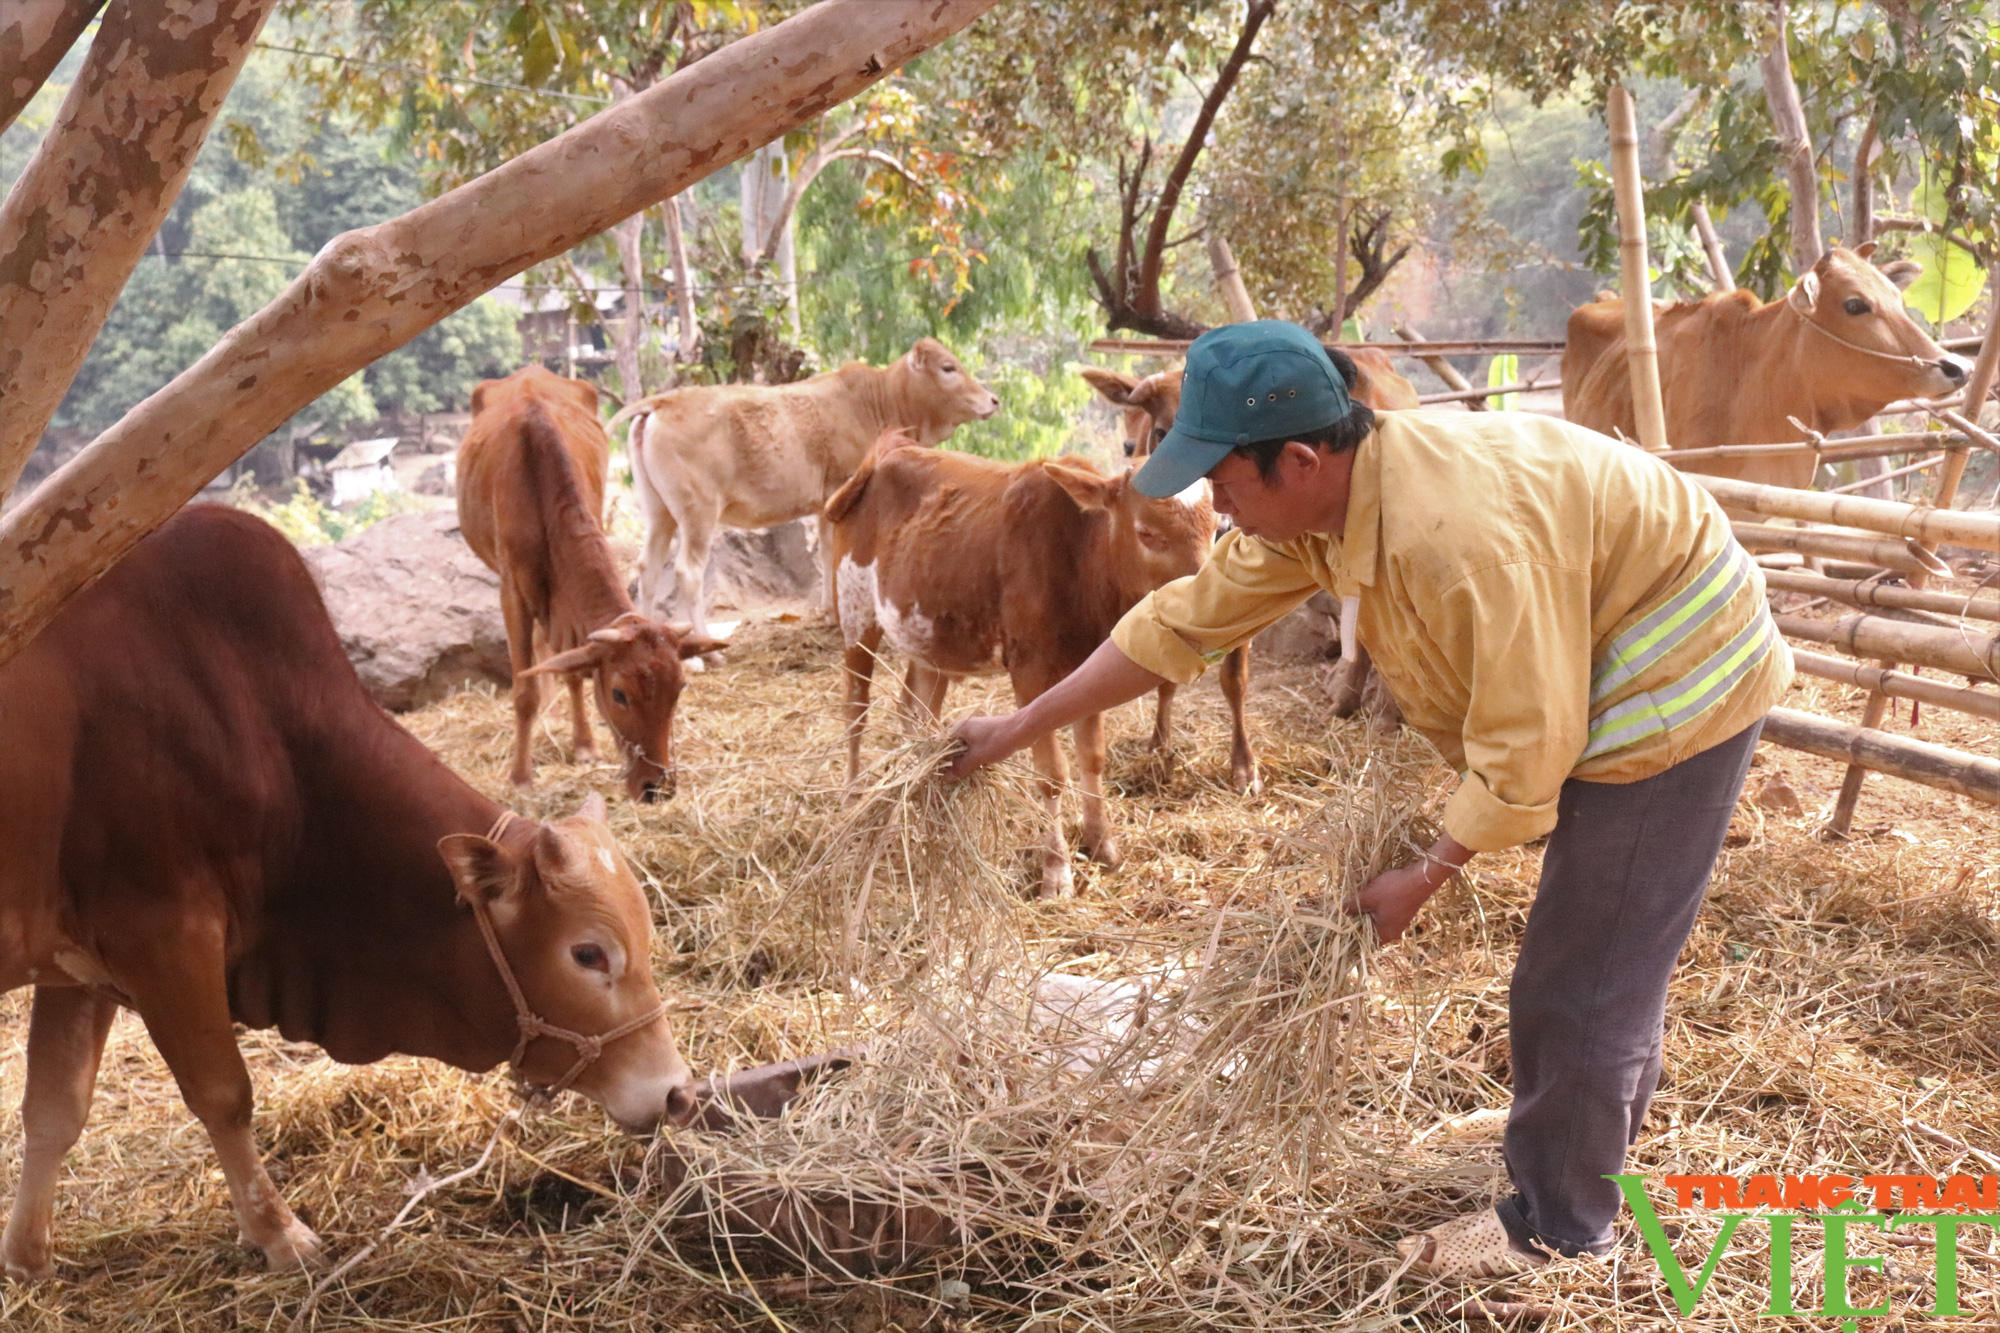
x: 590, y: 956
x: 618, y: 697
x: 1854, y: 305
x: 1159, y: 433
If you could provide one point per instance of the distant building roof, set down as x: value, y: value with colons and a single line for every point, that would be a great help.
x: 363, y: 453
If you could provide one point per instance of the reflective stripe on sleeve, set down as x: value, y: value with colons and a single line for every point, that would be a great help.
x: 1651, y: 712
x: 1669, y: 626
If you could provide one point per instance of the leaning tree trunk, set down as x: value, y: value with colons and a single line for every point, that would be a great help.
x: 79, y: 219
x: 688, y: 346
x: 1788, y: 118
x: 34, y: 37
x: 629, y: 236
x: 370, y: 291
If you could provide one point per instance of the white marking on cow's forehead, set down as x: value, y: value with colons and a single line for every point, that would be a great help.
x: 604, y: 859
x: 1196, y: 494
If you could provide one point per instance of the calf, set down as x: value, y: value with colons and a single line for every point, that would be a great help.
x: 206, y: 820
x: 754, y: 455
x: 531, y: 504
x: 970, y: 567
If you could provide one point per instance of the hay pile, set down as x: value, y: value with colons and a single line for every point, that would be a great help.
x: 1222, y: 1118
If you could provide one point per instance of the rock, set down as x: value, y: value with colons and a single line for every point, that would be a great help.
x: 1776, y: 795
x: 1309, y: 634
x: 755, y: 568
x: 417, y: 612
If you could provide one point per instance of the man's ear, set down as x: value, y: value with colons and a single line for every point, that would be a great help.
x: 481, y: 869
x: 1090, y: 492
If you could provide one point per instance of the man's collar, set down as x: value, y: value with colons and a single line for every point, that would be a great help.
x: 1361, y: 536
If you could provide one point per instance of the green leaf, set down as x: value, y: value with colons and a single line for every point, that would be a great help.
x: 1950, y: 283
x: 1928, y: 200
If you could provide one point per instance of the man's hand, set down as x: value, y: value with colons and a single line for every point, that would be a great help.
x: 984, y: 740
x: 1394, y: 896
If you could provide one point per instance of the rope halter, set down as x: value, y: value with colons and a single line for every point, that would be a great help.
x: 532, y: 1024
x: 1905, y: 358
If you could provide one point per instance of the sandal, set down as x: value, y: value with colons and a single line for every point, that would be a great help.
x: 1473, y: 1246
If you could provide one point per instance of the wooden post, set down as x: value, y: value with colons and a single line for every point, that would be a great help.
x: 1635, y: 284
x: 1897, y: 685
x: 1918, y: 761
x: 1915, y: 522
x: 370, y: 291
x: 80, y: 217
x: 1977, y: 386
x: 1864, y: 593
x: 1444, y: 370
x: 1229, y: 278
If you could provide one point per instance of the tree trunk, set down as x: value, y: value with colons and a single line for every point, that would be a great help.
x: 1711, y: 245
x: 1229, y: 278
x: 1862, y: 228
x: 34, y: 37
x: 1788, y: 118
x: 625, y: 352
x: 80, y: 217
x: 370, y: 291
x: 688, y: 345
x: 1340, y: 273
x: 767, y: 246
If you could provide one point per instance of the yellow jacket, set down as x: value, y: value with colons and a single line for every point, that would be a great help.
x: 1543, y: 603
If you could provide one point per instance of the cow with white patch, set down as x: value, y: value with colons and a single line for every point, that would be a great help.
x: 755, y: 455
x: 970, y: 567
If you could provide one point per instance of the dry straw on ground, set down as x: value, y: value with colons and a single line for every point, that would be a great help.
x: 1188, y: 1098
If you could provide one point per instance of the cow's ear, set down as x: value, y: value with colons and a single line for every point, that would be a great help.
x: 593, y: 807
x: 1112, y: 386
x: 919, y: 354
x: 585, y: 392
x: 479, y: 396
x: 1090, y: 492
x: 585, y: 658
x: 482, y: 869
x: 1865, y: 249
x: 1902, y: 272
x: 1805, y: 293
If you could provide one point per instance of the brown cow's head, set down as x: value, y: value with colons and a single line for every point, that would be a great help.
x: 939, y: 394
x: 575, y: 929
x: 1147, y: 405
x: 1885, y: 356
x: 1152, y: 541
x: 635, y: 663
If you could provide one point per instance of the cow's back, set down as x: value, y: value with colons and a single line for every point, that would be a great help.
x: 498, y: 474
x: 1378, y: 384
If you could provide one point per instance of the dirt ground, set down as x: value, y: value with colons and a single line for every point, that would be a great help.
x: 1838, y: 1008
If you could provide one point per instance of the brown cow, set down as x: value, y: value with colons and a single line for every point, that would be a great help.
x: 531, y: 504
x: 1148, y: 407
x: 752, y: 455
x: 1832, y: 352
x: 206, y: 820
x: 971, y: 567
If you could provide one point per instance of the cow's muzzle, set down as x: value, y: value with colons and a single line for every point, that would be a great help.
x: 1953, y: 368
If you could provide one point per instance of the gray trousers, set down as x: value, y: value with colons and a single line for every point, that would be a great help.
x: 1623, y: 875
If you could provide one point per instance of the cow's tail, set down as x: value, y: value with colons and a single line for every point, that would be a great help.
x: 638, y: 409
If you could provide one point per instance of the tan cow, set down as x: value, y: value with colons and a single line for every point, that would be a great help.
x: 752, y: 455
x: 531, y: 503
x: 1832, y: 352
x: 970, y: 567
x: 1147, y: 409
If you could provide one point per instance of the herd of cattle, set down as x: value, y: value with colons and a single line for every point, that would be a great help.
x: 205, y: 819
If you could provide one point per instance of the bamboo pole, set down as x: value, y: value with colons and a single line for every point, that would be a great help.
x: 1917, y: 761
x: 1877, y: 552
x: 1229, y: 277
x: 1961, y: 650
x: 1865, y: 593
x: 1462, y: 395
x: 1877, y: 446
x: 370, y: 291
x: 1897, y: 685
x: 1881, y: 478
x: 1893, y: 517
x: 1635, y: 284
x: 1461, y: 387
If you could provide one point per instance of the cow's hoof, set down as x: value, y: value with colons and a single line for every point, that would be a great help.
x: 21, y: 1265
x: 1106, y: 854
x: 1057, y: 882
x: 585, y: 754
x: 1246, y: 783
x: 296, y: 1247
x: 694, y: 666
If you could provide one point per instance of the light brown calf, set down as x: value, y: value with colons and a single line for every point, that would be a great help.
x: 531, y: 505
x: 970, y: 567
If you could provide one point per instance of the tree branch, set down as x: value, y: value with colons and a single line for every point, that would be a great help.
x: 36, y: 37
x: 1153, y: 258
x: 809, y: 172
x: 1788, y: 118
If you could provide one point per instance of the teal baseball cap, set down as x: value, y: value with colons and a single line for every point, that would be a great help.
x: 1264, y: 380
